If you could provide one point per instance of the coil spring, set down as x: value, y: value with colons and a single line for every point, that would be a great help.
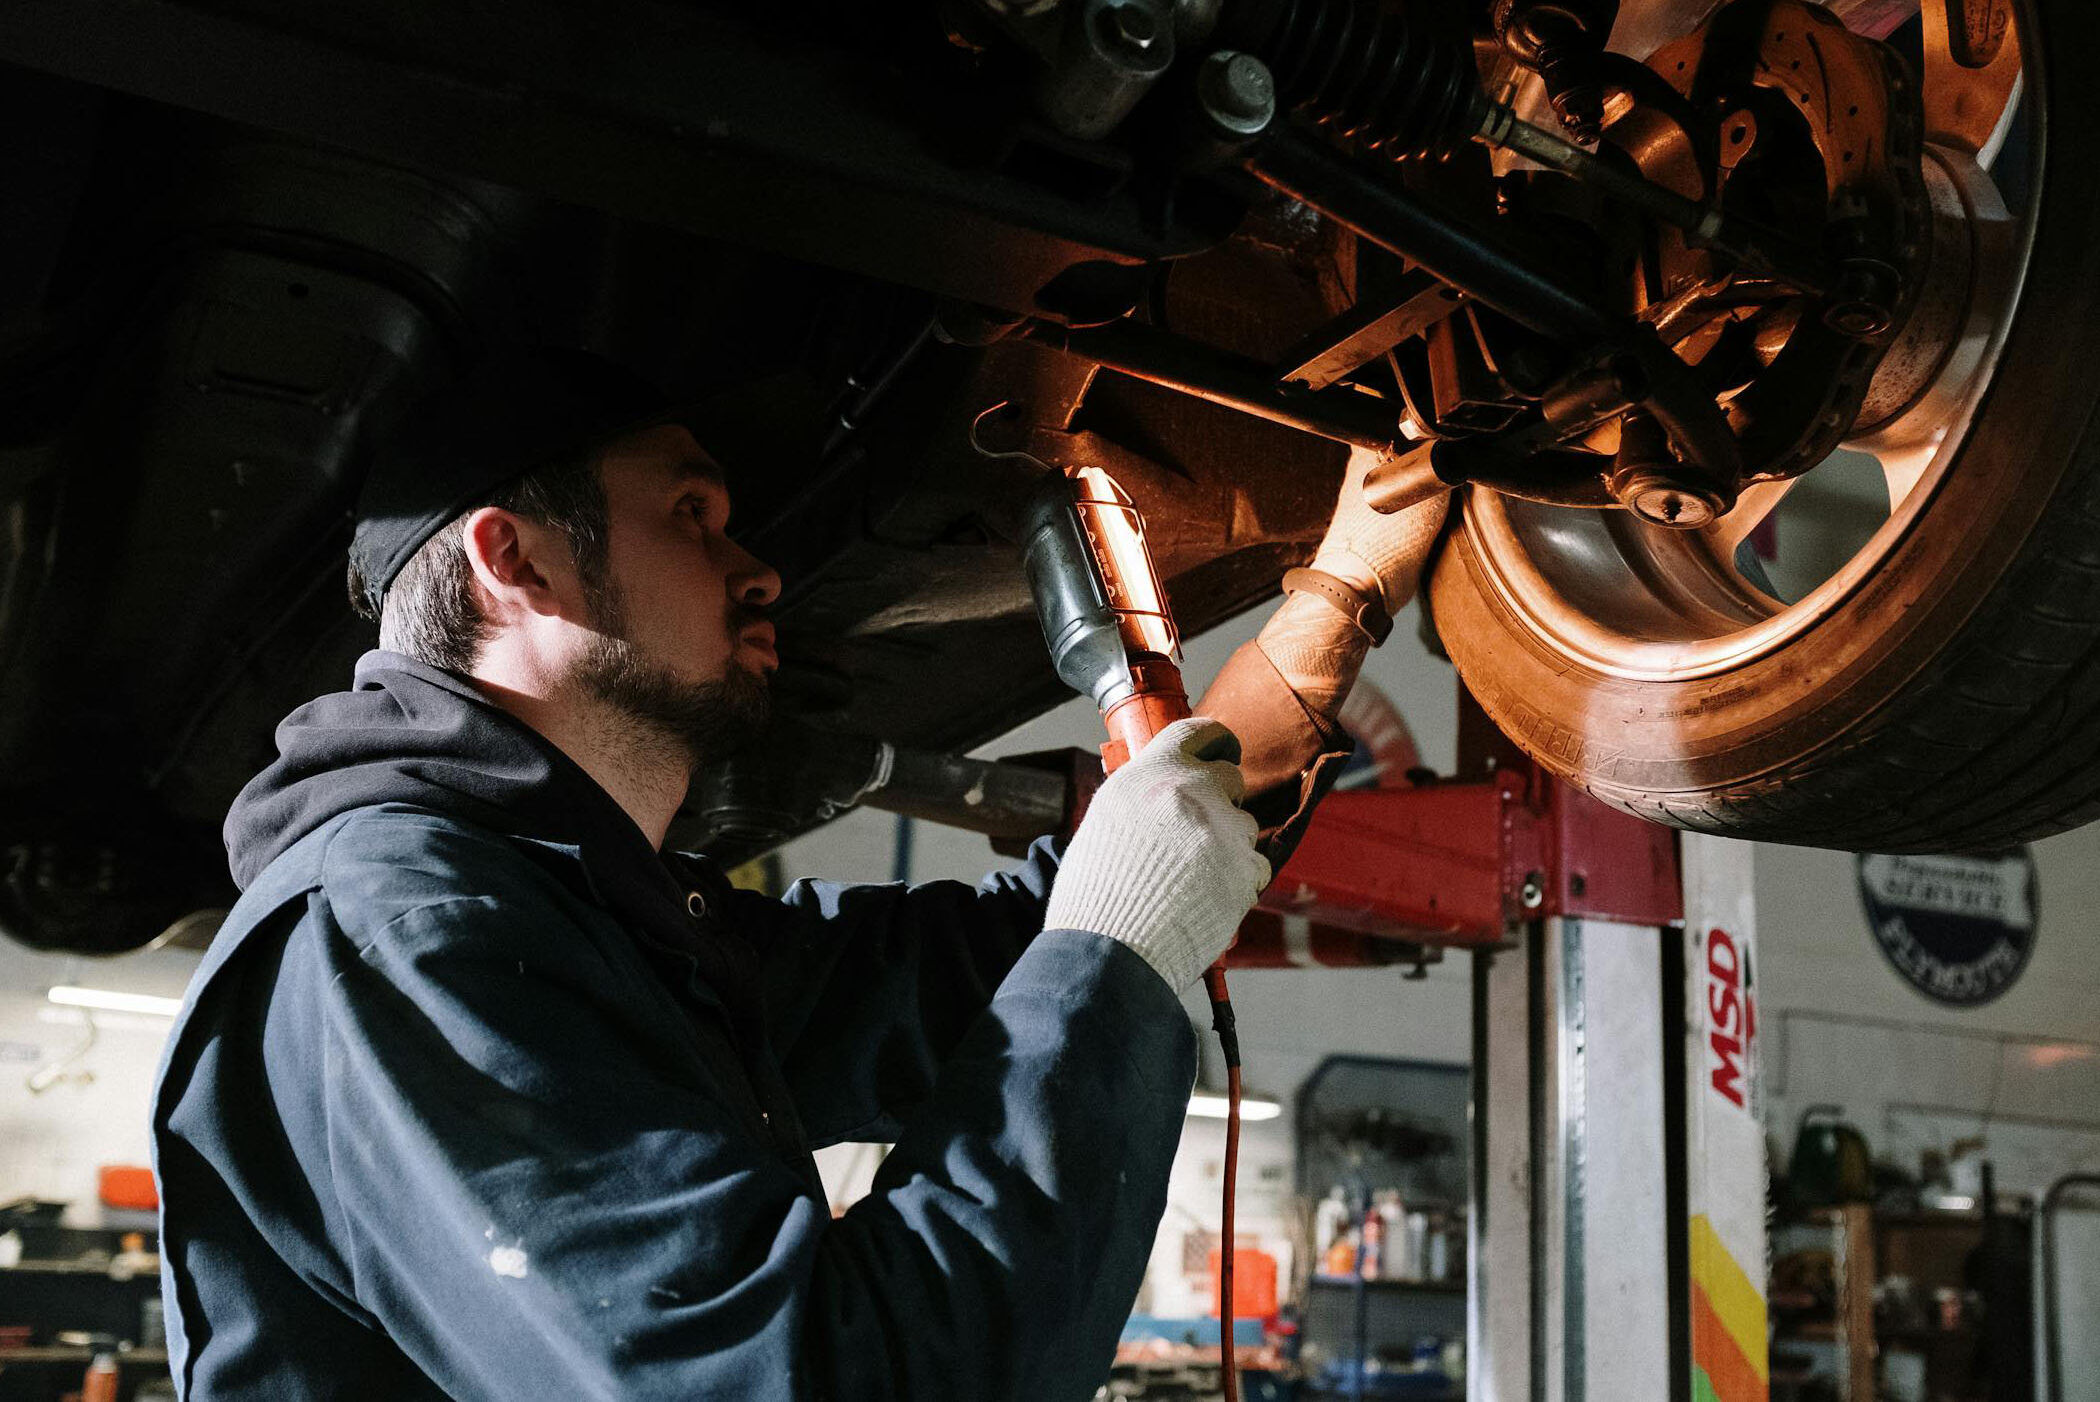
x: 1388, y: 75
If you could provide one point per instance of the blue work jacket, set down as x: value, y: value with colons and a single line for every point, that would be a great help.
x: 465, y: 1105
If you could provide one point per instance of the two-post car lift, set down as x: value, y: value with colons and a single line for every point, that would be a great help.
x: 1617, y: 1249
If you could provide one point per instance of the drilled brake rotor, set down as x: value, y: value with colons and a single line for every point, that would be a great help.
x: 1780, y: 115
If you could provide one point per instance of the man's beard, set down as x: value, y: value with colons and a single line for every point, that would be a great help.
x: 705, y: 719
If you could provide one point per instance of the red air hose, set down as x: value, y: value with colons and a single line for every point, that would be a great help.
x: 1229, y: 1042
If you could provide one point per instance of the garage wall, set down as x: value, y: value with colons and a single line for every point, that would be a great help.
x: 53, y: 1143
x: 1842, y: 1027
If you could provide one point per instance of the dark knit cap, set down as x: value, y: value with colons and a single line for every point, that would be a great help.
x: 513, y: 414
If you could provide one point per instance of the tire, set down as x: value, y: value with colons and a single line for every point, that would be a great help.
x: 1952, y: 700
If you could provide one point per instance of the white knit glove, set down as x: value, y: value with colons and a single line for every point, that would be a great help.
x: 1164, y: 860
x: 1368, y: 548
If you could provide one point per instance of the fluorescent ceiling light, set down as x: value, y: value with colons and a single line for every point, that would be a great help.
x: 104, y: 999
x: 1216, y: 1107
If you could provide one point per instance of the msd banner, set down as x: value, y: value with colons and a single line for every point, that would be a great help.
x: 1724, y: 1138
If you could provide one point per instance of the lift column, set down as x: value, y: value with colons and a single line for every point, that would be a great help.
x: 1618, y: 1244
x: 1618, y: 1193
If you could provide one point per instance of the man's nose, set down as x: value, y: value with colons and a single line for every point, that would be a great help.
x: 752, y: 581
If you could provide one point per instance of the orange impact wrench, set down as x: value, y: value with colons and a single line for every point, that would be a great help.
x: 1112, y: 638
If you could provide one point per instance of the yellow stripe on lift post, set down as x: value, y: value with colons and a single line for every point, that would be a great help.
x: 1738, y: 1304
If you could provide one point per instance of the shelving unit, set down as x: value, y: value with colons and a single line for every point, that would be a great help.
x: 1368, y: 1124
x: 1942, y: 1260
x: 1843, y: 1317
x: 1413, y: 1287
x: 56, y: 1295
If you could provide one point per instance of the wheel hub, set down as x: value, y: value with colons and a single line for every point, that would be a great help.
x: 1783, y: 132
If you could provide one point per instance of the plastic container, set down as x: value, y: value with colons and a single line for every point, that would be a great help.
x: 127, y: 1185
x: 1253, y: 1284
x: 100, y: 1384
x: 1341, y: 1254
x: 1399, y: 1264
x: 1372, y: 1262
x: 1330, y: 1218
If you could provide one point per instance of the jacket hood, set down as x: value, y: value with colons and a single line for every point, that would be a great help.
x: 411, y: 733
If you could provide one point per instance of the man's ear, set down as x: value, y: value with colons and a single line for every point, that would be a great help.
x: 522, y: 566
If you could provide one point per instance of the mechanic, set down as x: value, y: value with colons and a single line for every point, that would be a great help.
x: 481, y: 1094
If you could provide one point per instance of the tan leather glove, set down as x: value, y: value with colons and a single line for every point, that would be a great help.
x: 1282, y: 691
x: 1318, y: 649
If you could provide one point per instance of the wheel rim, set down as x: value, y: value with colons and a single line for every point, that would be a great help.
x: 1604, y: 591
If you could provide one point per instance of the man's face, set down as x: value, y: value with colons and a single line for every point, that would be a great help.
x: 683, y: 643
